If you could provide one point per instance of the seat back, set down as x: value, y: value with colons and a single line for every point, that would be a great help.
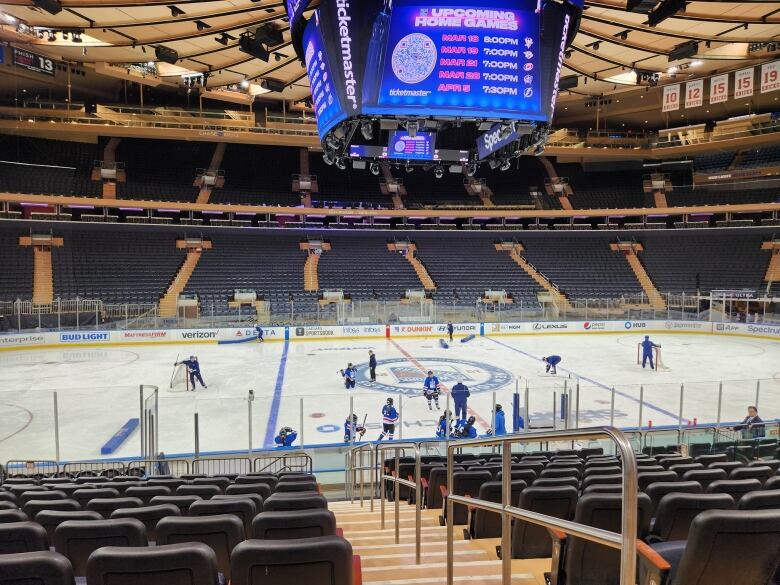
x: 589, y: 563
x: 50, y: 519
x: 526, y: 475
x: 77, y: 539
x: 84, y: 495
x: 221, y: 533
x: 32, y: 507
x: 438, y: 477
x: 761, y: 473
x: 192, y: 563
x: 704, y: 476
x: 486, y: 524
x: 105, y: 506
x: 298, y: 524
x: 302, y: 486
x: 530, y: 541
x: 676, y: 511
x: 466, y: 483
x: 245, y: 510
x: 146, y: 493
x: 730, y: 546
x: 25, y: 497
x: 762, y: 500
x: 645, y: 479
x: 149, y: 515
x: 20, y: 537
x: 294, y: 501
x: 326, y: 560
x: 35, y: 568
x: 261, y: 489
x: 736, y: 488
x: 658, y: 490
x: 204, y: 491
x: 183, y: 503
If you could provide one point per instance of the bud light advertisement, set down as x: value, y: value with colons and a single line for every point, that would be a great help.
x: 455, y: 59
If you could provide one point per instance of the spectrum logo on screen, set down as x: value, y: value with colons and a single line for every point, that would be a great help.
x: 467, y: 18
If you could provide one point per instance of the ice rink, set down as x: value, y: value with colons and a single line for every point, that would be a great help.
x: 98, y: 388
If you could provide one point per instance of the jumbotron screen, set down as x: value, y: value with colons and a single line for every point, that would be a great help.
x: 492, y: 62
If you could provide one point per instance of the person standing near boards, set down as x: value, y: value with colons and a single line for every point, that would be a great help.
x: 372, y: 365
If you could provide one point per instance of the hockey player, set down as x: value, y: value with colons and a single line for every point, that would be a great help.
x: 431, y: 387
x: 349, y: 374
x: 259, y: 332
x: 351, y: 427
x: 389, y: 418
x: 450, y: 330
x: 500, y: 423
x: 193, y: 370
x: 444, y: 428
x: 372, y: 365
x: 551, y: 362
x: 647, y: 352
x: 460, y: 394
x: 286, y: 437
x: 468, y: 431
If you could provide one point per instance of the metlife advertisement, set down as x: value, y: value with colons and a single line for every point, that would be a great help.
x: 455, y: 59
x: 324, y: 87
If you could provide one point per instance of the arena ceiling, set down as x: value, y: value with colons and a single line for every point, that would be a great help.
x: 613, y: 41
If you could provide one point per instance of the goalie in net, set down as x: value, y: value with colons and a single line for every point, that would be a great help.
x: 647, y: 351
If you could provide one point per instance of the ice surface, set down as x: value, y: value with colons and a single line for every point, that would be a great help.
x: 98, y: 389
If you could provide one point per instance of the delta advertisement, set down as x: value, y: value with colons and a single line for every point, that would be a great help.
x: 227, y: 336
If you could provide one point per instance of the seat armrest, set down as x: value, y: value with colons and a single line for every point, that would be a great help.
x: 556, y: 562
x: 340, y: 532
x: 424, y: 483
x: 444, y: 491
x: 357, y: 571
x: 653, y: 568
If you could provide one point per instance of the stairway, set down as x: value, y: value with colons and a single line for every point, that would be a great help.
x: 311, y: 281
x: 387, y: 563
x: 419, y: 267
x: 169, y: 301
x: 560, y: 299
x: 43, y: 287
x: 773, y: 270
x: 653, y: 296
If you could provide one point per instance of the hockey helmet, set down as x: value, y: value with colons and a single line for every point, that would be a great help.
x: 499, y: 407
x: 430, y: 372
x: 471, y: 420
x: 354, y: 418
x: 389, y: 401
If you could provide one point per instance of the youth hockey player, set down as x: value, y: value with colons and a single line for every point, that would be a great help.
x: 259, y: 332
x: 468, y: 431
x: 431, y: 387
x: 460, y: 394
x: 349, y: 374
x: 372, y: 365
x: 444, y: 428
x: 193, y: 370
x: 450, y: 330
x: 286, y: 437
x: 389, y: 419
x: 647, y: 352
x: 352, y: 427
x: 500, y: 423
x: 551, y: 362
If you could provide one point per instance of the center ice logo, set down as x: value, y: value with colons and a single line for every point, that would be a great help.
x: 400, y: 376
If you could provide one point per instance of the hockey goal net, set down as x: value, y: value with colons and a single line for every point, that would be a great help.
x: 180, y: 381
x: 657, y: 357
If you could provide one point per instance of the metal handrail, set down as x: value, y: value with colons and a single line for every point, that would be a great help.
x: 353, y: 455
x: 397, y: 481
x: 625, y: 542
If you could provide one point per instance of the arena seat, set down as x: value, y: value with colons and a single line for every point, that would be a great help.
x: 530, y: 541
x: 325, y: 560
x: 222, y: 533
x: 680, y: 469
x: 645, y: 479
x: 204, y: 491
x: 78, y: 539
x: 83, y: 496
x: 294, y: 501
x: 105, y: 506
x: 32, y: 507
x: 555, y: 482
x: 192, y: 563
x: 485, y: 524
x: 736, y: 488
x: 761, y: 500
x: 603, y: 470
x: 220, y: 482
x: 263, y: 490
x: 146, y: 493
x: 244, y: 509
x: 704, y: 476
x: 15, y: 515
x: 761, y: 473
x: 463, y: 483
x: 268, y: 480
x: 292, y: 525
x: 35, y: 568
x: 181, y: 502
x: 603, y: 489
x: 50, y: 519
x: 149, y: 515
x: 25, y: 497
x: 554, y: 473
x: 171, y: 483
x: 656, y: 491
x: 773, y: 483
x: 613, y: 479
x: 676, y: 511
x: 723, y: 547
x: 300, y: 486
x: 8, y: 505
x: 19, y: 537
